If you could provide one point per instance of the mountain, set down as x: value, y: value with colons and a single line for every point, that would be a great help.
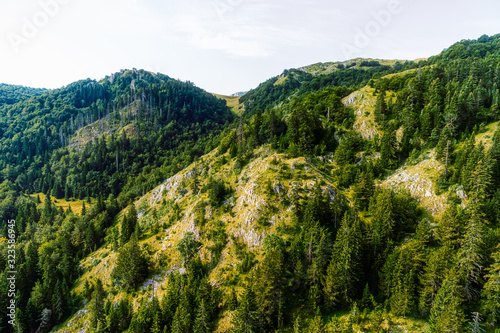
x: 10, y: 94
x: 130, y: 123
x: 356, y: 198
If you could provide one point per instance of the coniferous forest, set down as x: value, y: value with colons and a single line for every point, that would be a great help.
x: 359, y: 196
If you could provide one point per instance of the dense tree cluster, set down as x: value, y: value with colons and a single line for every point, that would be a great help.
x: 13, y: 94
x: 153, y: 127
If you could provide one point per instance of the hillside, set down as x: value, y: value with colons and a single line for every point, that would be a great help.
x: 10, y: 94
x: 110, y: 123
x: 359, y: 63
x: 353, y: 198
x: 257, y: 206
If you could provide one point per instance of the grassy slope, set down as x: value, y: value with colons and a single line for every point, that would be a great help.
x: 106, y: 126
x: 76, y: 205
x: 329, y: 67
x: 419, y: 177
x: 240, y: 214
x: 243, y: 208
x: 233, y: 102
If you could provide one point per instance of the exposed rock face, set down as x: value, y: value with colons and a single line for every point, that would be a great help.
x: 363, y: 102
x: 417, y: 180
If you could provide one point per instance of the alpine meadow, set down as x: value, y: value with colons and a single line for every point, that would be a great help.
x: 353, y: 196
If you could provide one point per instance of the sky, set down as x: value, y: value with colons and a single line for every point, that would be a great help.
x: 222, y: 46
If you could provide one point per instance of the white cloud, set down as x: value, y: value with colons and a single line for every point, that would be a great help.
x: 207, y: 41
x: 232, y: 39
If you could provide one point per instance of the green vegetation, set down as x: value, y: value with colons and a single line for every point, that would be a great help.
x: 160, y: 210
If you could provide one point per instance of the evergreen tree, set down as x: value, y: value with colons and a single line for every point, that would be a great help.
x: 388, y: 149
x: 432, y: 109
x: 202, y: 322
x: 447, y: 314
x: 475, y: 325
x: 97, y: 314
x: 48, y: 212
x: 432, y: 277
x: 491, y: 291
x: 113, y: 320
x: 381, y: 108
x: 269, y: 288
x: 245, y: 320
x: 124, y: 313
x: 316, y: 325
x: 131, y: 267
x: 187, y: 247
x: 363, y: 190
x: 444, y: 145
x: 129, y: 224
x: 345, y: 270
x: 181, y: 322
x: 471, y: 258
x: 296, y: 325
x: 155, y: 328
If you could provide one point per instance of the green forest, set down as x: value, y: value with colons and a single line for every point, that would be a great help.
x: 145, y: 204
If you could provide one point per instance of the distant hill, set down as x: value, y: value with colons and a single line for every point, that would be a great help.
x: 11, y: 94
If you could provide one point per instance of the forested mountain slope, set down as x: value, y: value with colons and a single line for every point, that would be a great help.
x: 10, y: 94
x: 355, y: 199
x: 91, y: 138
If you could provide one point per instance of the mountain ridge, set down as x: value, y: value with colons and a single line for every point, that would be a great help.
x: 362, y: 199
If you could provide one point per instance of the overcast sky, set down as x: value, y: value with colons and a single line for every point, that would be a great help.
x: 223, y: 46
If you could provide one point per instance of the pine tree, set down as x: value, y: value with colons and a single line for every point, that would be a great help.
x: 113, y: 320
x: 181, y: 322
x: 124, y: 311
x: 432, y: 109
x: 202, y: 322
x: 296, y: 325
x: 450, y: 227
x: 129, y: 224
x: 48, y: 212
x: 97, y: 313
x: 447, y: 315
x: 269, y: 286
x: 388, y: 149
x: 491, y: 291
x: 444, y: 145
x: 131, y: 267
x: 245, y: 320
x: 363, y: 190
x: 142, y: 318
x: 471, y: 258
x: 344, y: 270
x: 187, y: 247
x: 156, y: 326
x: 475, y: 324
x: 380, y: 108
x: 316, y: 325
x: 432, y: 278
x: 125, y: 231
